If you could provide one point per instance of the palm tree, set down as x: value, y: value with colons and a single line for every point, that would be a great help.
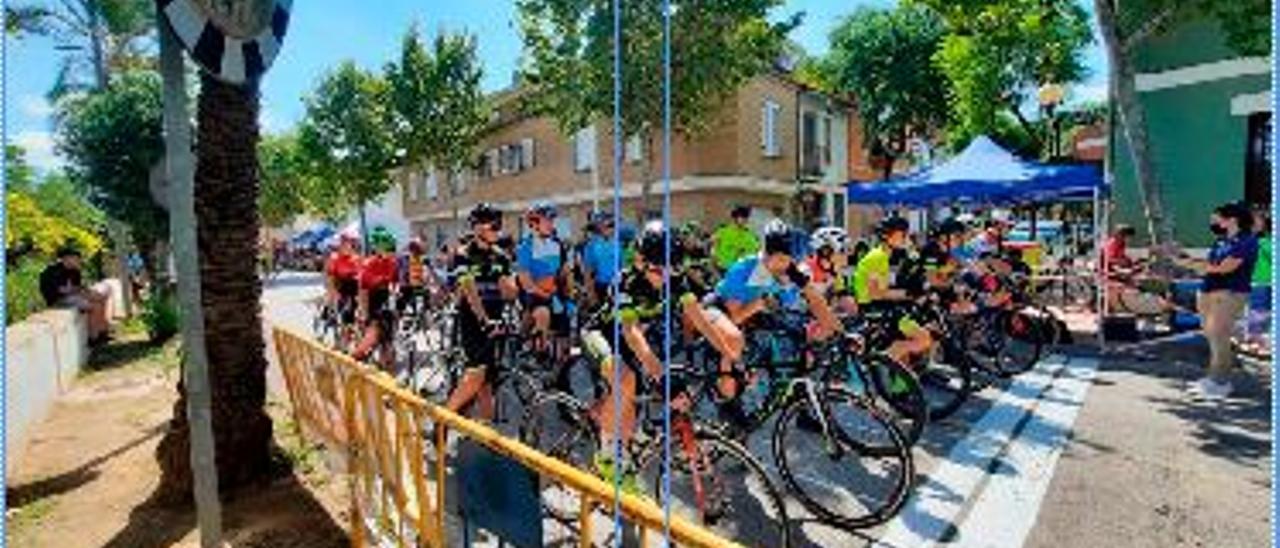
x: 226, y: 204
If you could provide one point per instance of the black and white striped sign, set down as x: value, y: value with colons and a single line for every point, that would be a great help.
x: 220, y: 53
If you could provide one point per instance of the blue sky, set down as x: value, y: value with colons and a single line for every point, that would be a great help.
x: 325, y: 32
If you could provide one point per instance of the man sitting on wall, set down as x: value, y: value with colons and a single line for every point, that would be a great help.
x: 62, y: 287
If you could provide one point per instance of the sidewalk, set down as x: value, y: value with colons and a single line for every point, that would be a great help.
x: 1150, y: 467
x: 87, y: 474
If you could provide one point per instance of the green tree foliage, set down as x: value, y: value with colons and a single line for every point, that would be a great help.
x: 996, y: 53
x: 112, y: 139
x: 716, y: 46
x: 98, y: 37
x: 18, y: 174
x: 285, y: 181
x: 439, y: 107
x: 884, y: 59
x: 346, y: 138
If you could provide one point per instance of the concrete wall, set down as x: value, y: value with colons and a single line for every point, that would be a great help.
x: 43, y: 355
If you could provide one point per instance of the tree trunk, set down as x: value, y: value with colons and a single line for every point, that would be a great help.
x: 1133, y: 121
x: 226, y: 192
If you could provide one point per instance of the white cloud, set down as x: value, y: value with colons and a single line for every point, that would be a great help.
x: 39, y: 147
x: 35, y: 106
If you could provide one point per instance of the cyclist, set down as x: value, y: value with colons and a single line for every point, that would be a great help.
x: 378, y: 275
x: 342, y: 285
x: 641, y: 316
x: 542, y: 270
x: 876, y: 292
x: 750, y: 284
x: 599, y: 259
x: 829, y: 245
x: 484, y: 285
x: 416, y: 277
x: 943, y: 264
x: 698, y: 262
x: 734, y: 240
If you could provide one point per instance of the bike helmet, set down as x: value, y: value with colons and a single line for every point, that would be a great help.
x: 653, y: 245
x: 829, y: 237
x: 950, y: 227
x: 542, y: 209
x: 778, y: 238
x: 598, y: 219
x: 382, y: 240
x: 893, y: 224
x: 485, y: 213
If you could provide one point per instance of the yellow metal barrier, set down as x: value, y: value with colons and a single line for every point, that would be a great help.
x: 398, y: 497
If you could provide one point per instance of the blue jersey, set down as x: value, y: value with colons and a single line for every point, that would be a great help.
x: 599, y: 257
x: 540, y: 258
x: 747, y: 281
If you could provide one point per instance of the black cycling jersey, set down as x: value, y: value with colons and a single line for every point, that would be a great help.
x: 485, y: 266
x: 641, y: 298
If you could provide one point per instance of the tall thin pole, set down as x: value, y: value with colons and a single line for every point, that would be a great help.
x: 180, y: 168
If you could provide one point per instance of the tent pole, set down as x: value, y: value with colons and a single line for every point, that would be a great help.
x: 1099, y: 222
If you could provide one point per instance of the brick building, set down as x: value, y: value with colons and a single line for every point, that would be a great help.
x: 769, y: 140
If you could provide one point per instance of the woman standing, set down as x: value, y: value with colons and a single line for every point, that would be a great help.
x: 1226, y: 286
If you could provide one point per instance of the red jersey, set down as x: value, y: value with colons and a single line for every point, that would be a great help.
x: 378, y: 272
x: 343, y: 267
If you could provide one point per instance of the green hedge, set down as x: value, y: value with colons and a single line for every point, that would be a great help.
x: 22, y: 291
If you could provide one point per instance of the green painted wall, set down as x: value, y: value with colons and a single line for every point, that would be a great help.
x: 1199, y: 146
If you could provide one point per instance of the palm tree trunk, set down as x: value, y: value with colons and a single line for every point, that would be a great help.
x: 1132, y: 117
x: 226, y: 194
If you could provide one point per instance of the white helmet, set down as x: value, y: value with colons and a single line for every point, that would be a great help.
x: 833, y: 237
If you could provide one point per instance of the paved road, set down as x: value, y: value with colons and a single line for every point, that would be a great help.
x: 1085, y: 450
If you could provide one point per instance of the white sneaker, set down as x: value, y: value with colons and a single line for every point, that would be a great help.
x: 1209, y: 389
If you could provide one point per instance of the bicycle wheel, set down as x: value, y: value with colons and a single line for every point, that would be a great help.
x: 855, y: 475
x: 560, y: 426
x: 902, y: 392
x: 946, y: 380
x: 716, y: 482
x: 1021, y: 344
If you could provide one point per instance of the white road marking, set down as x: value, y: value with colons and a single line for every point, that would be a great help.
x: 939, y: 502
x: 1005, y: 512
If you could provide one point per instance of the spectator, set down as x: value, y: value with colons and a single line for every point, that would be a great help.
x: 1258, y: 320
x: 734, y: 240
x: 61, y: 286
x: 1226, y: 286
x: 1115, y: 251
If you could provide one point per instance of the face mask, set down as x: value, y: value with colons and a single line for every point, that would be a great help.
x: 1217, y: 229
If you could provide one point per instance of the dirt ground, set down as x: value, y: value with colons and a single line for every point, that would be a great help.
x: 86, y: 476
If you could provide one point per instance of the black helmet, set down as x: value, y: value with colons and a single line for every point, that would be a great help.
x: 893, y: 224
x: 950, y: 227
x: 653, y: 245
x: 779, y: 238
x: 484, y: 213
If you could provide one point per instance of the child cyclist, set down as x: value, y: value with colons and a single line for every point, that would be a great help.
x: 378, y: 274
x: 641, y: 315
x: 752, y: 283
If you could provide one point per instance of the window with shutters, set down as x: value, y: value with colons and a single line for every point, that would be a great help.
x: 769, y: 142
x: 528, y: 159
x: 584, y: 149
x: 810, y: 148
x: 433, y: 187
x: 413, y: 185
x: 635, y: 149
x: 826, y: 141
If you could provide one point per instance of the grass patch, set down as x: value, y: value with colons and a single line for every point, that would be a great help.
x: 28, y: 516
x: 134, y: 353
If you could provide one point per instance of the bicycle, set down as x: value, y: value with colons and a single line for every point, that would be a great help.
x: 714, y: 480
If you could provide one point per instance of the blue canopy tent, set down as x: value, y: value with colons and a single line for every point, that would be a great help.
x: 983, y: 173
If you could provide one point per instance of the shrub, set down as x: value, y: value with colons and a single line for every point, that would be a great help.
x: 160, y: 315
x: 22, y: 288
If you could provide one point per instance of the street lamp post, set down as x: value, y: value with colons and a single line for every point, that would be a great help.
x: 1050, y: 96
